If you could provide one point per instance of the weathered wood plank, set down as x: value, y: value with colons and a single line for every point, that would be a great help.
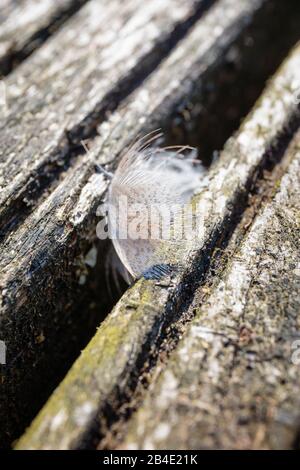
x: 25, y: 25
x: 110, y: 364
x: 53, y: 250
x: 43, y: 262
x: 42, y: 314
x: 234, y: 380
x: 57, y: 97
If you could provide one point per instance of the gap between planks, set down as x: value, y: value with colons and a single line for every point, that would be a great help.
x: 240, y: 163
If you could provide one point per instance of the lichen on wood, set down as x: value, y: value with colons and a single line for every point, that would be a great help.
x: 233, y: 381
x: 246, y: 155
x: 51, y: 299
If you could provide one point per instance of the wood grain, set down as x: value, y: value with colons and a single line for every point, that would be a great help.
x: 233, y: 382
x: 49, y: 200
x: 25, y: 25
x: 136, y: 328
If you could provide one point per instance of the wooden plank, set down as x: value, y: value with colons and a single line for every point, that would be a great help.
x: 25, y: 25
x: 68, y: 231
x: 34, y: 140
x: 44, y: 259
x: 233, y: 381
x: 111, y: 363
x: 55, y: 99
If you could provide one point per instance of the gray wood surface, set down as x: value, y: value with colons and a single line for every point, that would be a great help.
x: 25, y: 25
x: 48, y: 212
x: 106, y: 375
x: 57, y: 98
x: 233, y: 382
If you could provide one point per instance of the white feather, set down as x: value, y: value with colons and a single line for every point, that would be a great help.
x: 152, y: 178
